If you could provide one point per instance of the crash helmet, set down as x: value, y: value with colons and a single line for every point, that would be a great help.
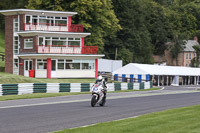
x: 99, y: 78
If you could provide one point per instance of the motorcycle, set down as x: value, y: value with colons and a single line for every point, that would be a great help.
x: 98, y: 96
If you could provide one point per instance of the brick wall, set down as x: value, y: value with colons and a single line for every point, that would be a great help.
x: 9, y: 43
x: 22, y: 20
x: 33, y: 50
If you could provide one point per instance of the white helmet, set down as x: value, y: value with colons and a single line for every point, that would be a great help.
x: 99, y: 78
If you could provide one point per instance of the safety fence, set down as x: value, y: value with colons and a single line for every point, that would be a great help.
x: 29, y: 88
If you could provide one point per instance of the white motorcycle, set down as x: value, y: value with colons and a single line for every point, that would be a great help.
x: 98, y: 96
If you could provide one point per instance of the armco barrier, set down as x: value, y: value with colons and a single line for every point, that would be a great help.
x: 25, y: 88
x: 142, y: 86
x: 85, y: 87
x: 64, y: 87
x: 1, y: 90
x: 10, y: 89
x: 39, y: 87
x: 29, y: 88
x: 117, y: 86
x: 130, y: 86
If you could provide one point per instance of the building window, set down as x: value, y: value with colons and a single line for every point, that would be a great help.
x: 28, y: 43
x: 80, y: 64
x: 74, y: 42
x: 87, y: 64
x: 190, y: 56
x: 41, y: 64
x: 61, y: 21
x: 59, y: 41
x: 28, y: 19
x: 72, y: 64
x: 46, y: 20
x: 41, y: 42
x: 61, y: 64
x: 16, y: 45
x: 16, y: 25
x: 187, y: 56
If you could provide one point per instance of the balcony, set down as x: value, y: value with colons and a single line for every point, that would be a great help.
x: 51, y: 27
x: 55, y: 49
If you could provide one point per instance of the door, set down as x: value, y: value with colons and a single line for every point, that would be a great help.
x: 28, y: 65
x: 53, y: 68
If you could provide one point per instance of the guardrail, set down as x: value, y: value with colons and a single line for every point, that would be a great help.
x: 53, y: 27
x: 61, y: 49
x: 29, y: 88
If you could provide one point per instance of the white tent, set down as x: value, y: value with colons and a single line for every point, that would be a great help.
x: 143, y: 69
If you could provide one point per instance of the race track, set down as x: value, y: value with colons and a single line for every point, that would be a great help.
x: 53, y: 114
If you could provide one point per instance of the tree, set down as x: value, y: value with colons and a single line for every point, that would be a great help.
x: 195, y: 61
x: 134, y: 35
x: 55, y: 5
x: 97, y: 16
x: 177, y: 46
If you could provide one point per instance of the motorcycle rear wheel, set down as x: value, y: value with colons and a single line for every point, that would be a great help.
x: 103, y: 101
x: 93, y: 101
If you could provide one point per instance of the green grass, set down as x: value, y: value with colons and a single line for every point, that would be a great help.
x: 39, y: 95
x: 2, y: 41
x: 6, y: 78
x: 182, y: 120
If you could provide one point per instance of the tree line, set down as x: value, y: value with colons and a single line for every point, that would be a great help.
x: 128, y: 30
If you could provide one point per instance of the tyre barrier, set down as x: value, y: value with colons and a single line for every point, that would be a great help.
x: 29, y: 88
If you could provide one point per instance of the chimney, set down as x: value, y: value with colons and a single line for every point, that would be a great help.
x: 196, y: 38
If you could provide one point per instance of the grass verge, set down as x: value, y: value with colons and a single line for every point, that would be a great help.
x: 181, y: 120
x: 6, y: 78
x: 43, y: 95
x: 39, y: 95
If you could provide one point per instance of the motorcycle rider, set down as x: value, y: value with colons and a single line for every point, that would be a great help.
x: 101, y: 80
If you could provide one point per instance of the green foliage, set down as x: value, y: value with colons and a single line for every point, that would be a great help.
x: 137, y: 28
x: 97, y: 16
x: 177, y: 46
x: 134, y: 35
x: 55, y: 5
x: 195, y: 61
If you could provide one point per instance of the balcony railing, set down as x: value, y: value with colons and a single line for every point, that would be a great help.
x: 52, y: 27
x: 55, y: 49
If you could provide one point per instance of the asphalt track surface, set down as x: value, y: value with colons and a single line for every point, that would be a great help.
x: 57, y: 113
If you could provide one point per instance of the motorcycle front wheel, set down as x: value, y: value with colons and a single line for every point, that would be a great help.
x: 93, y: 101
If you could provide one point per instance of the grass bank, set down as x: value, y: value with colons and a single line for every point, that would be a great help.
x: 182, y: 120
x: 6, y: 78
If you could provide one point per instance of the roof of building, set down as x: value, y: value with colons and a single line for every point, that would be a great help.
x: 35, y: 12
x: 60, y: 34
x: 189, y: 45
x: 143, y: 69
